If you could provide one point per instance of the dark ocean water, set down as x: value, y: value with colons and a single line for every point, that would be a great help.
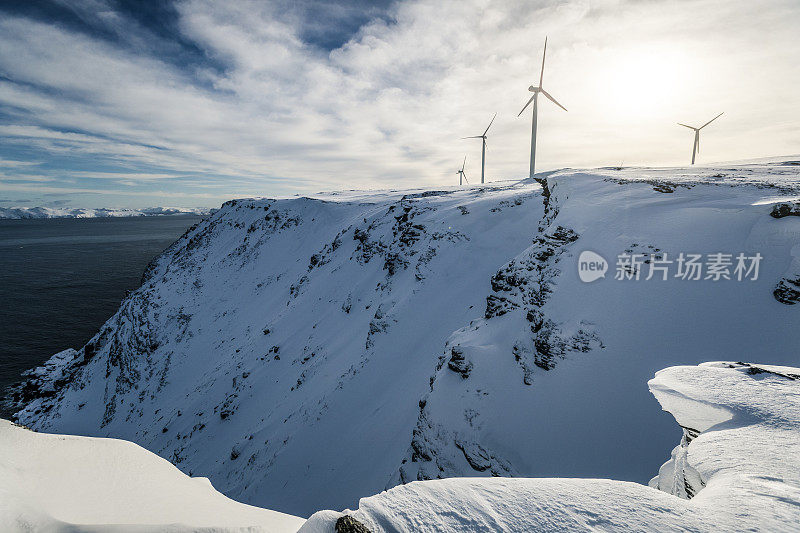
x: 61, y: 279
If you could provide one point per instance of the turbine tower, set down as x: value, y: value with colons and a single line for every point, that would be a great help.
x: 461, y: 174
x: 483, y: 151
x: 534, y: 99
x: 696, y: 145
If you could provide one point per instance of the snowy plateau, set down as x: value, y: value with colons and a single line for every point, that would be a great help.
x: 439, y: 345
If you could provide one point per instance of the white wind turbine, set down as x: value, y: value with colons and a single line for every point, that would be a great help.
x: 461, y: 174
x: 696, y: 145
x: 483, y: 151
x: 534, y: 99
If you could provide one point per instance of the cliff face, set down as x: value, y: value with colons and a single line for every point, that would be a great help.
x: 303, y: 353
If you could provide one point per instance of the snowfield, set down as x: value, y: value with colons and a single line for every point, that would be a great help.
x: 305, y: 353
x: 60, y: 483
x: 736, y: 468
x: 79, y: 212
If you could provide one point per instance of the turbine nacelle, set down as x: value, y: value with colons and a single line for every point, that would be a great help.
x: 537, y: 90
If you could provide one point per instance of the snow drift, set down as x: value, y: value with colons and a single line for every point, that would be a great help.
x: 308, y: 352
x: 63, y: 483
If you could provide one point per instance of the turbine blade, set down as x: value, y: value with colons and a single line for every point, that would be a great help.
x: 465, y: 177
x: 710, y: 121
x: 697, y: 141
x: 464, y: 164
x: 474, y: 137
x: 685, y: 126
x: 547, y: 94
x: 529, y: 103
x: 490, y: 124
x: 544, y: 53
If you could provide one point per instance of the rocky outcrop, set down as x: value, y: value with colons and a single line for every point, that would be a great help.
x: 785, y: 209
x: 348, y: 524
x: 787, y: 291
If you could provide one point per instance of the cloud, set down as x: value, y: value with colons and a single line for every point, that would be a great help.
x: 246, y: 98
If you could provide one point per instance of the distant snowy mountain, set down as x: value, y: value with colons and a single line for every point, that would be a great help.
x: 77, y: 212
x: 305, y: 353
x: 737, y: 468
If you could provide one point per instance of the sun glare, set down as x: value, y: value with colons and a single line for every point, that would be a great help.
x: 641, y: 82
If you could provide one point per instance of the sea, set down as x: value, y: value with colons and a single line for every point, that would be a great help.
x: 61, y: 279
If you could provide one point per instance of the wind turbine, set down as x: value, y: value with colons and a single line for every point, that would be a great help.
x: 483, y: 151
x: 534, y: 99
x: 696, y: 145
x: 461, y: 174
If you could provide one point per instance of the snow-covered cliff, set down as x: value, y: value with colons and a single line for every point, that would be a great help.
x: 739, y: 461
x: 305, y: 353
x: 737, y: 468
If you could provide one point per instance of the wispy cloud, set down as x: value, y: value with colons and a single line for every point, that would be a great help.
x: 245, y: 98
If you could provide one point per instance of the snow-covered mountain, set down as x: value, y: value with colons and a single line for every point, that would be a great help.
x: 102, y: 212
x: 736, y: 468
x: 305, y: 353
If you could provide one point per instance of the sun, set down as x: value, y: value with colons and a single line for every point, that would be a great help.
x: 644, y: 81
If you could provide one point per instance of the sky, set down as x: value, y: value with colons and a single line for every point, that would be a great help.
x: 123, y: 103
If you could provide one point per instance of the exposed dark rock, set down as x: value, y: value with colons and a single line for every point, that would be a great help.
x: 785, y: 209
x: 754, y: 370
x: 360, y: 235
x: 658, y: 185
x: 458, y: 363
x: 348, y: 524
x: 787, y: 291
x: 498, y: 306
x: 478, y: 458
x: 294, y: 290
